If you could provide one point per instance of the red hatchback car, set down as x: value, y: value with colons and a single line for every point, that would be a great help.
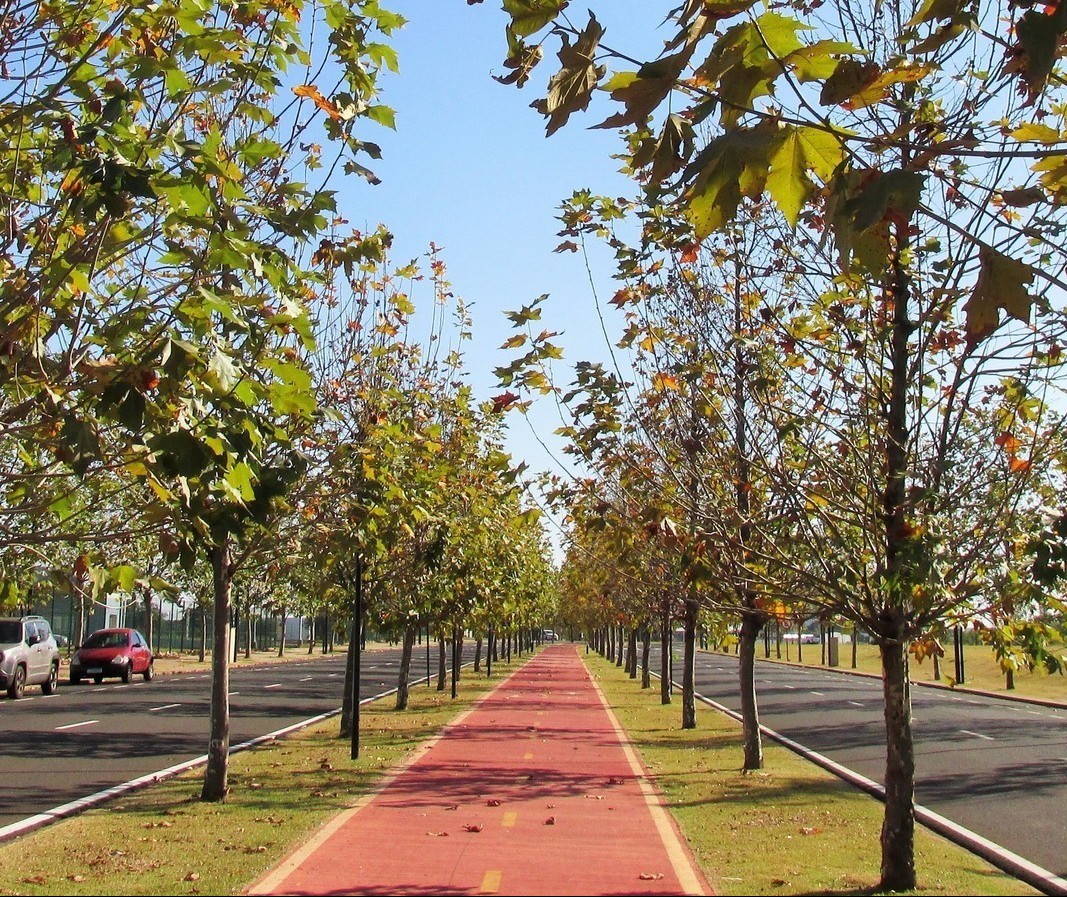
x: 112, y: 652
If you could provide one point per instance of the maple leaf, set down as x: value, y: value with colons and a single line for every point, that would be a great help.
x: 315, y: 95
x: 571, y: 88
x: 1002, y: 284
x: 504, y: 401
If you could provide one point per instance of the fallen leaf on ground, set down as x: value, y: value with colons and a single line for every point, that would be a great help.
x: 75, y: 878
x: 34, y: 880
x: 550, y: 821
x: 616, y: 781
x: 472, y: 827
x: 452, y: 807
x: 438, y: 834
x: 192, y: 876
x: 650, y: 876
x: 594, y: 797
x: 492, y: 802
x: 805, y: 830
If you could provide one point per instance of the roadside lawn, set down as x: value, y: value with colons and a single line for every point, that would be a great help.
x: 791, y: 828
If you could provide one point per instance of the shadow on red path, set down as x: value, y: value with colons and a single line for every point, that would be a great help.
x: 533, y: 791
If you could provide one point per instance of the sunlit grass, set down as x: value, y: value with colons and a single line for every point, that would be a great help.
x: 791, y: 828
x: 981, y: 670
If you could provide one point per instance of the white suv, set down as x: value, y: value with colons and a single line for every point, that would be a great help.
x: 28, y: 655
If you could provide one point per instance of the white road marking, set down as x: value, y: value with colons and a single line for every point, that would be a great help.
x: 977, y: 734
x: 307, y: 678
x: 87, y: 722
x: 855, y: 703
x: 819, y: 693
x: 275, y: 685
x: 162, y: 707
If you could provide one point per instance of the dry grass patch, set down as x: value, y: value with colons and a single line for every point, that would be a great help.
x: 791, y: 828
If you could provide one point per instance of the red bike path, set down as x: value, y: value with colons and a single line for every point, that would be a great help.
x: 534, y: 790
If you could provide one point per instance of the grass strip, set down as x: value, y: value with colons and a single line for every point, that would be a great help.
x: 164, y: 840
x: 982, y: 669
x: 792, y: 827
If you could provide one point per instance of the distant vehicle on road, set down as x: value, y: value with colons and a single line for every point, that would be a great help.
x: 28, y: 655
x: 110, y: 653
x: 548, y: 635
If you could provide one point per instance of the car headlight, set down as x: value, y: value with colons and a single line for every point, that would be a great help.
x: 121, y: 660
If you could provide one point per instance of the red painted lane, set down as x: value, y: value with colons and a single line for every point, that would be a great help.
x: 531, y: 792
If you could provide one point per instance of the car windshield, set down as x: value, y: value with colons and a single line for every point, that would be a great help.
x: 106, y: 640
x: 10, y: 631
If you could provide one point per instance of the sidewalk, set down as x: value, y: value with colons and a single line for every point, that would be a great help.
x: 532, y: 791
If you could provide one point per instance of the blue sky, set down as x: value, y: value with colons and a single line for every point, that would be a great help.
x: 469, y: 168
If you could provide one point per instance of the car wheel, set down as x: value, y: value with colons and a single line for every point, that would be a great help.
x: 50, y: 684
x: 18, y: 683
x: 98, y: 679
x: 149, y: 672
x: 127, y: 672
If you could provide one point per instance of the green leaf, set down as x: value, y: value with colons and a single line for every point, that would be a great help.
x: 801, y: 150
x: 1002, y: 284
x: 530, y: 16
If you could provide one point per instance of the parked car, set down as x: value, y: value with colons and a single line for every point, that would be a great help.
x: 28, y: 655
x: 108, y: 653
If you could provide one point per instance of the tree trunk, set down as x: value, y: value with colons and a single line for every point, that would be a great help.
x: 149, y: 629
x: 855, y: 645
x: 203, y: 635
x: 478, y: 655
x: 665, y: 660
x: 404, y: 679
x: 689, y: 707
x: 249, y: 630
x: 753, y: 739
x: 456, y: 648
x: 631, y: 654
x: 620, y: 645
x: 281, y: 636
x: 1010, y: 679
x: 216, y: 771
x: 441, y: 666
x: 898, y: 824
x: 646, y: 650
x: 345, y: 730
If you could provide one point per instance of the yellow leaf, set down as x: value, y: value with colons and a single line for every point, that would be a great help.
x: 315, y: 95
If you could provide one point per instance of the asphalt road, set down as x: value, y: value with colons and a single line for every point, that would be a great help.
x: 87, y: 738
x: 997, y: 767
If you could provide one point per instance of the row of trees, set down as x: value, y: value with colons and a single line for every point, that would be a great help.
x: 841, y: 302
x: 207, y: 380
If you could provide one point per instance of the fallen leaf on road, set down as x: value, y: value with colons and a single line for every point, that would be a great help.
x: 492, y: 802
x: 614, y: 781
x: 550, y: 821
x: 472, y: 827
x: 594, y: 797
x: 650, y: 876
x: 452, y: 807
x: 438, y: 834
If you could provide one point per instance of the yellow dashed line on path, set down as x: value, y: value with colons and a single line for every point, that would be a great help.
x: 509, y: 819
x: 528, y: 755
x: 491, y: 882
